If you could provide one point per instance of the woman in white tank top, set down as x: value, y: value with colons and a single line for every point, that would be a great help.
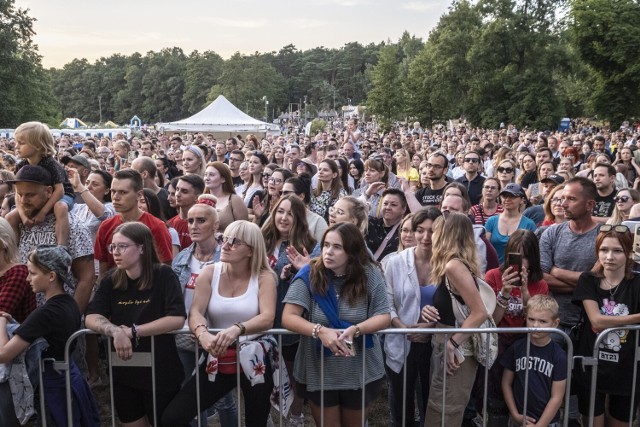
x: 237, y: 295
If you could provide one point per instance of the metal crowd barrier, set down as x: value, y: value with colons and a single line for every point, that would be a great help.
x: 593, y: 362
x: 147, y: 360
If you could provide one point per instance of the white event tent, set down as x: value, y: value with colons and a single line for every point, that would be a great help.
x: 219, y: 116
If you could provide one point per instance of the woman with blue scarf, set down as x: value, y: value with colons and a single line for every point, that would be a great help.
x: 343, y: 295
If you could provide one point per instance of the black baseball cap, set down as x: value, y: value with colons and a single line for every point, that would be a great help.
x: 35, y: 174
x: 556, y: 179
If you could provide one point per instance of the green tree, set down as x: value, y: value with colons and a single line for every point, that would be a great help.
x: 439, y: 78
x: 25, y: 91
x: 129, y: 99
x: 385, y: 98
x: 202, y: 73
x: 246, y: 79
x: 513, y: 61
x: 163, y: 85
x: 607, y: 36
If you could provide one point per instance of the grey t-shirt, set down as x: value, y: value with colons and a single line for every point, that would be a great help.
x: 561, y: 247
x: 308, y: 365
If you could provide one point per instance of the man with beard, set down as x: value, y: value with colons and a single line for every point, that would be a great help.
x: 33, y: 189
x: 433, y: 177
x: 472, y: 179
x: 604, y: 176
x: 566, y: 250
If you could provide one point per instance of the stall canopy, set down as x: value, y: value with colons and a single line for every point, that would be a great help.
x: 73, y: 123
x: 219, y: 116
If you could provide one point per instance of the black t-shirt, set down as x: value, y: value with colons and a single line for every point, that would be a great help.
x: 604, y: 205
x: 474, y: 187
x: 616, y: 353
x: 129, y: 306
x: 428, y: 197
x: 528, y: 179
x: 55, y: 321
x: 545, y: 365
x: 237, y: 181
x: 376, y: 234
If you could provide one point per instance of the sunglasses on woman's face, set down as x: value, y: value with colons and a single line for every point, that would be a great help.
x: 621, y: 199
x: 505, y: 170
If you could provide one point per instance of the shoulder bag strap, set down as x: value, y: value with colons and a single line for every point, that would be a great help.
x: 383, y: 245
x: 233, y: 216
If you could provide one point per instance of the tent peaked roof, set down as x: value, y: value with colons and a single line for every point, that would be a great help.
x: 219, y: 116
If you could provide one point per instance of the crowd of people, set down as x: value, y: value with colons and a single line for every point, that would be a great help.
x: 333, y: 236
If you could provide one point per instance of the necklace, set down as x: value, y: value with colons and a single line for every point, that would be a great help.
x: 611, y: 287
x: 208, y: 259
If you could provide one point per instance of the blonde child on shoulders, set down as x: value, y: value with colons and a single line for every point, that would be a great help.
x: 35, y: 146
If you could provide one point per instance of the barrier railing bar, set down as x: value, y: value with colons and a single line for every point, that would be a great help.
x: 404, y: 383
x: 526, y: 382
x: 281, y: 368
x: 364, y: 367
x: 196, y: 351
x: 635, y: 373
x: 593, y: 362
x: 485, y: 388
x: 404, y: 331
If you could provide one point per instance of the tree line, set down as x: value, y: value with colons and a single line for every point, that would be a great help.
x: 528, y: 62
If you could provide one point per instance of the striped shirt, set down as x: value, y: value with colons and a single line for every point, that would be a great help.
x: 340, y: 373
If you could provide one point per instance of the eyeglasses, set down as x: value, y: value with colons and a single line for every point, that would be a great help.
x: 333, y: 210
x: 505, y: 170
x: 489, y: 187
x: 273, y: 180
x: 119, y: 248
x: 471, y: 160
x: 556, y: 201
x: 266, y: 176
x: 233, y: 242
x: 605, y: 228
x: 621, y: 199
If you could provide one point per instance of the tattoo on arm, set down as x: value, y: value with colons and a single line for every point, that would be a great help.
x: 105, y: 327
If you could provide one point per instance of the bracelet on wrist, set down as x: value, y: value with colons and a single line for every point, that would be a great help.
x: 503, y: 296
x: 454, y: 343
x: 243, y: 329
x: 501, y: 304
x: 134, y: 335
x: 201, y: 325
x: 358, y: 331
x: 316, y: 330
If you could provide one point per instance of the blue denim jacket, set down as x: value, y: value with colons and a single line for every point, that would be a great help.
x: 181, y: 263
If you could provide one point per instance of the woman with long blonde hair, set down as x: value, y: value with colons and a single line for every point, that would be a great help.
x: 405, y: 170
x: 454, y: 266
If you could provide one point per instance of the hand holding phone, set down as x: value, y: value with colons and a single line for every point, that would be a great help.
x: 351, y: 347
x: 514, y: 260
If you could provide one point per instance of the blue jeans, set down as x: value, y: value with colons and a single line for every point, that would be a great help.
x: 226, y: 406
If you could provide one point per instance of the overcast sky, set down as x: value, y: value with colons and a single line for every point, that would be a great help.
x: 93, y: 29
